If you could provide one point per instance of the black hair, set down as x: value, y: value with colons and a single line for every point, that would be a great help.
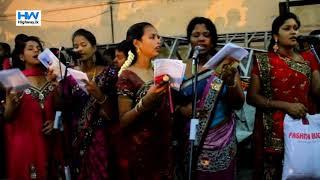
x: 123, y: 47
x: 277, y: 23
x: 92, y: 40
x: 6, y: 49
x: 20, y: 44
x: 209, y: 25
x: 315, y: 32
x: 136, y: 31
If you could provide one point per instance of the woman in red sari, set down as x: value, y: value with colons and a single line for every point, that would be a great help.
x: 144, y: 110
x: 29, y: 115
x: 283, y: 82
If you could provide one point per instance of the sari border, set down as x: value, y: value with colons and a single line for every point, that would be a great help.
x: 264, y: 72
x: 204, y: 113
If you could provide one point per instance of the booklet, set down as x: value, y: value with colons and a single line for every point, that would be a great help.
x: 172, y: 67
x: 79, y: 76
x: 15, y: 79
x: 49, y: 60
x: 232, y: 50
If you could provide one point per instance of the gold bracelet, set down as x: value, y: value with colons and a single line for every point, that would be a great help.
x: 139, y: 107
x: 103, y: 101
x: 268, y: 103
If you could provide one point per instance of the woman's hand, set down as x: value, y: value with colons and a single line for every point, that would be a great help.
x: 228, y: 70
x: 94, y: 90
x: 296, y: 110
x: 154, y: 93
x: 228, y: 75
x: 47, y: 127
x: 13, y: 100
x: 52, y: 77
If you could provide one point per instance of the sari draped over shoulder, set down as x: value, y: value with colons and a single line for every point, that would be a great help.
x: 29, y: 152
x: 149, y: 139
x: 282, y: 80
x: 216, y: 150
x: 89, y: 132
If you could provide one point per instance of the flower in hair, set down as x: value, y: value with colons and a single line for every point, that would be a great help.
x: 127, y: 63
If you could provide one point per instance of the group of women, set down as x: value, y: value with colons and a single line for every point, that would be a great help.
x: 121, y: 126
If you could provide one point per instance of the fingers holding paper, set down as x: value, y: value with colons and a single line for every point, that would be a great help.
x: 227, y: 70
x: 47, y: 127
x: 12, y: 102
x: 93, y: 89
x: 13, y: 97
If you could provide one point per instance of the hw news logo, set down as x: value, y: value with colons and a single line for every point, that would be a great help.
x: 28, y: 18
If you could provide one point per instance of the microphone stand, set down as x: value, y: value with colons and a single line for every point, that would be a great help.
x: 194, y: 121
x: 314, y: 52
x: 66, y: 168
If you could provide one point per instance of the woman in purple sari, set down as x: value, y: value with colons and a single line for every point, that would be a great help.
x: 93, y: 110
x: 219, y: 94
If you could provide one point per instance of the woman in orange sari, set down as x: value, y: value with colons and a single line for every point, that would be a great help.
x: 282, y: 82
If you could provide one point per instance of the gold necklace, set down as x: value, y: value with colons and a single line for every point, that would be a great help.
x: 286, y: 58
x: 94, y: 74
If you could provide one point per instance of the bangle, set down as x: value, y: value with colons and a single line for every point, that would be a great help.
x: 268, y: 103
x: 139, y: 107
x: 103, y: 101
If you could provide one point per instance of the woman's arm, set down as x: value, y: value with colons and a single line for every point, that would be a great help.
x: 235, y: 95
x: 254, y: 98
x: 12, y: 102
x: 316, y: 83
x: 128, y: 115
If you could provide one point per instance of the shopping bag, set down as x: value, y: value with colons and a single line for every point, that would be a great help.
x: 302, y: 148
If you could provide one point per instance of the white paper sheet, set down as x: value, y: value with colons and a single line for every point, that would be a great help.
x: 49, y: 60
x: 229, y: 49
x: 174, y: 68
x: 79, y: 76
x: 15, y: 79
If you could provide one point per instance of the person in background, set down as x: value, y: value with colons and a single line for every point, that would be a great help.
x: 32, y: 148
x: 144, y: 111
x: 283, y: 81
x: 316, y: 41
x: 90, y: 111
x: 121, y: 53
x: 15, y: 55
x: 5, y: 52
x: 108, y: 56
x: 219, y: 93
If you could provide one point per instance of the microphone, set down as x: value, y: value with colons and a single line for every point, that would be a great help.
x: 308, y: 38
x: 196, y: 51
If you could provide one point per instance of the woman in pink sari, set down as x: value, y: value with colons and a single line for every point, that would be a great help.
x: 31, y: 149
x: 283, y: 81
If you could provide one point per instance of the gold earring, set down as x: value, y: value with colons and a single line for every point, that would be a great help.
x: 275, y: 46
x: 138, y: 51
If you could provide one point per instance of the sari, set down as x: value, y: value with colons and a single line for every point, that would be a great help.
x: 89, y: 133
x: 2, y: 152
x: 216, y: 141
x: 283, y: 80
x: 149, y: 139
x: 30, y: 154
